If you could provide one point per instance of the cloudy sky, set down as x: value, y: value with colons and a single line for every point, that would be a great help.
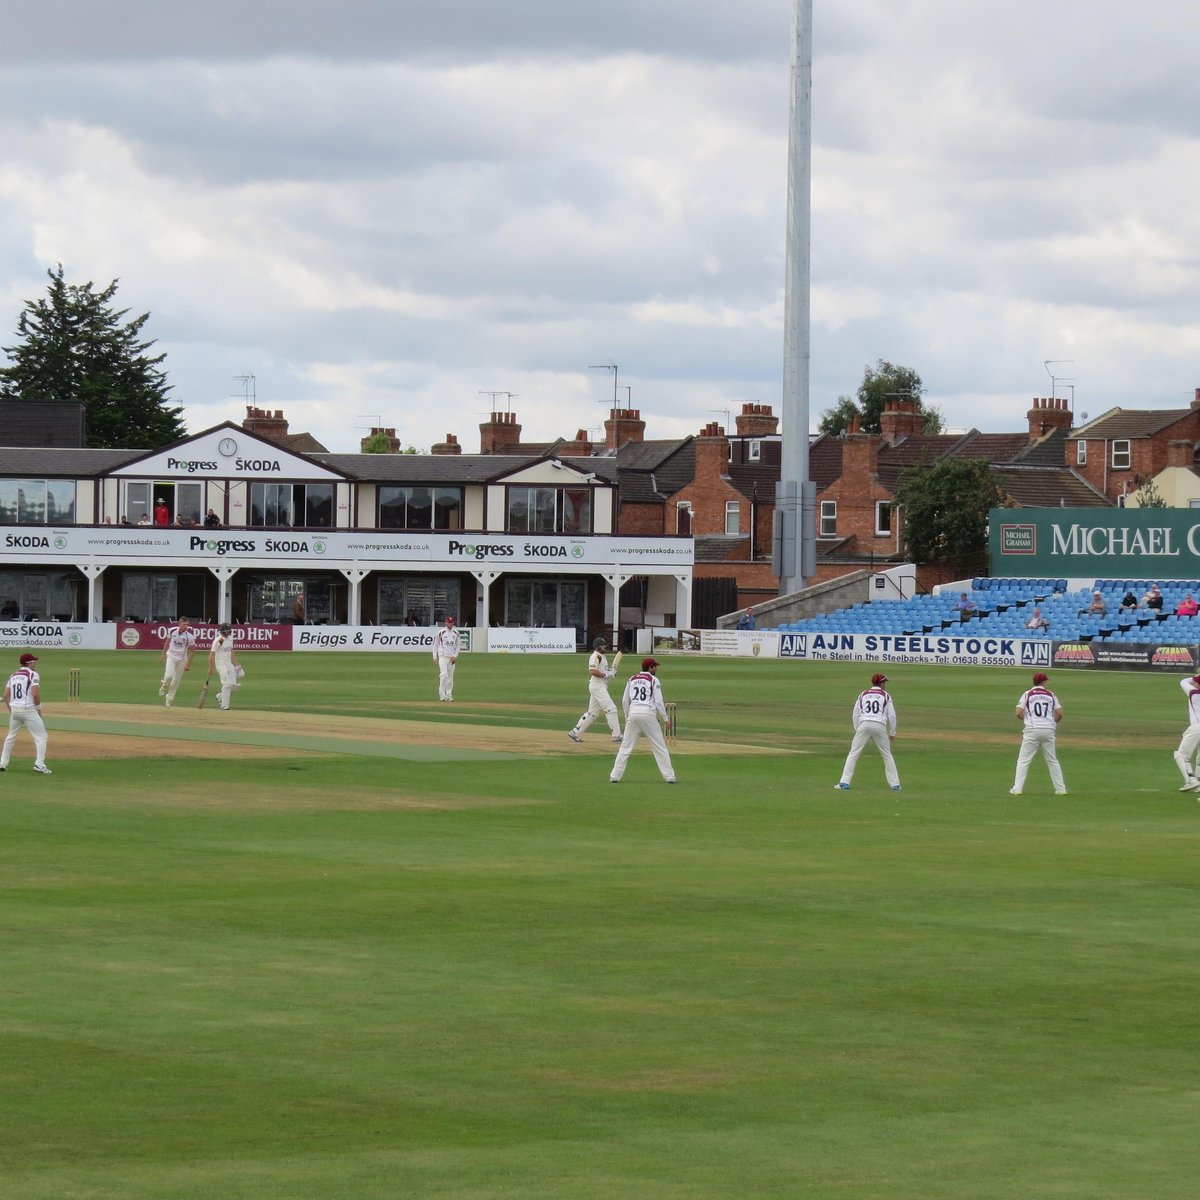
x: 383, y: 210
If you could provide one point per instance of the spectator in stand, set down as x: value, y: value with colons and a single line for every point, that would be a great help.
x: 1153, y: 599
x: 162, y: 515
x: 965, y: 607
x: 211, y: 520
x: 1187, y: 607
x: 143, y: 519
x: 1097, y: 608
x: 1129, y: 602
x: 746, y: 620
x: 1037, y: 623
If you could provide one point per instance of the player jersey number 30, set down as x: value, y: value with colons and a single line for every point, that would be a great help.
x: 874, y: 705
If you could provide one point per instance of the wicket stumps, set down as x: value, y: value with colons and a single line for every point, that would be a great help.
x: 73, y: 686
x: 670, y: 727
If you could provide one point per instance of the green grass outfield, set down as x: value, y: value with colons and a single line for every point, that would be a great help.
x: 350, y: 975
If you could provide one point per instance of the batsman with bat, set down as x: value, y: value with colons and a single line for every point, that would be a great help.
x: 599, y: 701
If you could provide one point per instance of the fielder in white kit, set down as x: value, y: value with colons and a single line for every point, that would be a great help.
x: 447, y: 643
x: 1040, y: 712
x: 599, y: 701
x: 23, y: 699
x: 178, y: 650
x: 1185, y: 755
x: 874, y: 718
x: 644, y: 709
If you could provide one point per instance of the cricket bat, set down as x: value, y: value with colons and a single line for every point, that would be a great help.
x: 617, y: 659
x: 204, y: 692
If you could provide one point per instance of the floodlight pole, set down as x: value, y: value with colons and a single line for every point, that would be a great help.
x: 793, y: 556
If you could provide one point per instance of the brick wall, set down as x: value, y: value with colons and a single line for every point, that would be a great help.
x: 1147, y: 457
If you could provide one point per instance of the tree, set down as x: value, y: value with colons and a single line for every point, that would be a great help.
x: 75, y: 346
x: 883, y: 382
x: 946, y: 508
x: 837, y: 419
x: 1148, y: 496
x: 377, y: 443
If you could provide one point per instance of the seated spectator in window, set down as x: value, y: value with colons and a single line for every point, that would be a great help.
x: 1037, y: 622
x: 1187, y: 607
x: 144, y: 519
x: 1153, y: 598
x: 125, y: 521
x: 1129, y: 602
x: 211, y: 520
x: 965, y: 606
x: 1097, y: 608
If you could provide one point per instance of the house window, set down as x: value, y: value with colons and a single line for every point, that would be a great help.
x: 37, y: 502
x: 883, y: 517
x: 1081, y: 453
x: 755, y: 452
x: 683, y: 518
x: 549, y: 510
x: 1120, y: 455
x: 828, y: 518
x: 420, y: 508
x: 732, y: 516
x: 284, y: 505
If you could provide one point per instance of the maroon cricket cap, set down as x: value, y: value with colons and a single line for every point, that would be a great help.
x: 649, y: 663
x: 26, y: 659
x: 876, y: 680
x: 1040, y: 678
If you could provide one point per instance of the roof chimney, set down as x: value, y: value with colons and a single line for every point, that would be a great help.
x: 265, y: 425
x: 1181, y: 453
x: 623, y: 425
x: 1046, y: 414
x: 900, y: 419
x: 500, y: 435
x: 449, y: 446
x: 393, y: 442
x: 756, y: 420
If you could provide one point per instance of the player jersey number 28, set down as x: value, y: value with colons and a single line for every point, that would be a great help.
x: 640, y: 690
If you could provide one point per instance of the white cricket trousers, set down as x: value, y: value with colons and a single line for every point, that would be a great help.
x: 871, y: 731
x: 641, y: 723
x: 599, y: 701
x: 1032, y: 741
x: 1186, y: 754
x: 172, y: 676
x: 446, y: 677
x: 25, y: 718
x: 227, y: 673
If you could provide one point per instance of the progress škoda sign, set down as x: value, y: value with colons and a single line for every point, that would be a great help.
x: 1143, y: 543
x: 939, y: 649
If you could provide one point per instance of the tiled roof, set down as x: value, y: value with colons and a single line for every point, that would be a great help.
x: 1047, y: 487
x: 992, y: 447
x: 720, y: 547
x: 825, y: 460
x: 44, y: 463
x: 449, y: 468
x: 1132, y: 423
x: 652, y: 471
x: 756, y: 481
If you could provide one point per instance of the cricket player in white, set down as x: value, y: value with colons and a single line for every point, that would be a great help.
x: 874, y: 717
x: 447, y: 643
x: 644, y: 709
x: 1185, y: 756
x: 599, y: 701
x: 223, y: 658
x: 1040, y: 712
x: 178, y: 650
x: 23, y: 699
